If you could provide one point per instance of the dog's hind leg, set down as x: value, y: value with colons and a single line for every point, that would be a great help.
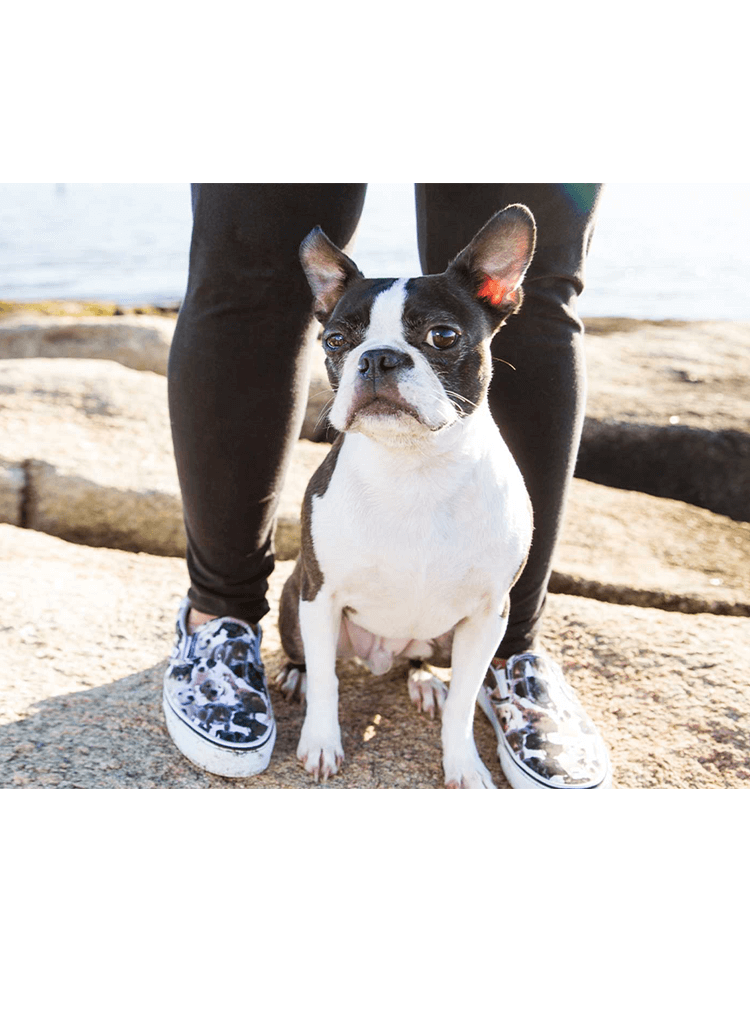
x: 427, y: 692
x: 292, y: 677
x: 291, y: 680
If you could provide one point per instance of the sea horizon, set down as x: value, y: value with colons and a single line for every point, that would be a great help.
x: 659, y: 251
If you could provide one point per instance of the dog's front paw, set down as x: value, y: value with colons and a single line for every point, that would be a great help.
x: 292, y: 682
x: 427, y: 692
x: 321, y: 754
x: 467, y: 772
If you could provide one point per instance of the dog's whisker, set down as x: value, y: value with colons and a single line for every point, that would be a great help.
x: 458, y: 398
x: 458, y: 395
x: 501, y: 360
x: 436, y: 399
x: 325, y: 411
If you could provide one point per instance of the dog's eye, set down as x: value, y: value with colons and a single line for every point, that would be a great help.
x: 442, y: 337
x: 334, y: 341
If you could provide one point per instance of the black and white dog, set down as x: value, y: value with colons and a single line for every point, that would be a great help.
x: 417, y: 523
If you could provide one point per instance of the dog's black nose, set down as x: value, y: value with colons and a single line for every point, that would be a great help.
x: 378, y: 361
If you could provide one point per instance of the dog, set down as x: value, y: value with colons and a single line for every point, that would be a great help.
x: 417, y: 523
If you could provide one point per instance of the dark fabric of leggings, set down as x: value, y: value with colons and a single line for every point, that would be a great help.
x: 239, y: 367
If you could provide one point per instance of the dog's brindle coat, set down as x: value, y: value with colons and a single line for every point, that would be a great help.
x: 417, y: 523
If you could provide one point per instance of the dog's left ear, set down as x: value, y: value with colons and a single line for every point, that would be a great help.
x: 494, y: 263
x: 329, y: 272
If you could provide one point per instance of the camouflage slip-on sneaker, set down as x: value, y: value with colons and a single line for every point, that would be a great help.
x: 545, y: 738
x: 216, y: 702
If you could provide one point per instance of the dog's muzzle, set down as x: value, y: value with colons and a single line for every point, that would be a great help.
x: 376, y: 388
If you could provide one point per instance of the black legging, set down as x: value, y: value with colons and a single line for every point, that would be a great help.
x: 239, y: 367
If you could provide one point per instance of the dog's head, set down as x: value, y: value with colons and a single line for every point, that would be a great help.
x: 411, y: 357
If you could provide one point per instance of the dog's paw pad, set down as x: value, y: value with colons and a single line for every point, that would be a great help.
x: 292, y: 682
x: 427, y: 692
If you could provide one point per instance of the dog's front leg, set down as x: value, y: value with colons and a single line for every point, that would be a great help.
x: 474, y: 643
x: 320, y: 747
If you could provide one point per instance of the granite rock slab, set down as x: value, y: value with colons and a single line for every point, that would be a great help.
x: 668, y: 411
x: 668, y: 408
x: 86, y: 455
x: 86, y: 632
x: 136, y: 341
x: 93, y: 439
x: 628, y: 547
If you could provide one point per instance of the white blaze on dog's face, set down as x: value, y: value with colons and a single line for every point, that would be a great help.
x: 408, y: 358
x: 385, y: 385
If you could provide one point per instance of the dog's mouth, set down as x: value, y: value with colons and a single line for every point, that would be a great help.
x: 382, y: 404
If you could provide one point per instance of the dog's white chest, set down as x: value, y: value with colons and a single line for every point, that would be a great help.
x: 414, y: 545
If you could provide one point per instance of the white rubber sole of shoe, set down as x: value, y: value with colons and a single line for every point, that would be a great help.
x: 517, y: 777
x: 226, y: 761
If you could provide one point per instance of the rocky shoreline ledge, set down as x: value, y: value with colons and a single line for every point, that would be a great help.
x: 650, y: 596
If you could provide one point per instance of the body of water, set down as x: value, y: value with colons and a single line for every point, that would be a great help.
x: 659, y: 251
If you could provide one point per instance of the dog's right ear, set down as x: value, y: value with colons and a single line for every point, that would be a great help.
x: 329, y: 272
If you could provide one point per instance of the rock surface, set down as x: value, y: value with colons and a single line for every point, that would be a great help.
x: 89, y: 458
x: 140, y: 342
x: 668, y: 407
x: 85, y: 453
x: 668, y: 411
x: 627, y: 547
x: 667, y: 373
x: 95, y: 439
x: 85, y: 633
x: 12, y: 492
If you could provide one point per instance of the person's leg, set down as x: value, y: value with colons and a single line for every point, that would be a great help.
x: 537, y: 397
x: 537, y: 394
x: 238, y: 379
x: 238, y: 374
